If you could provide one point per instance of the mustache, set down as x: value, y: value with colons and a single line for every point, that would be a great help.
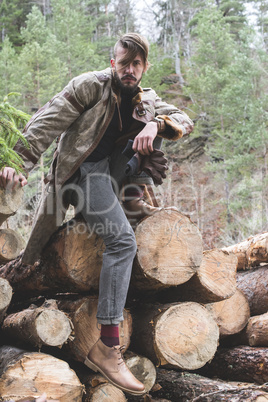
x: 129, y: 76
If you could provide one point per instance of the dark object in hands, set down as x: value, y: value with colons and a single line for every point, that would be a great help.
x: 154, y: 164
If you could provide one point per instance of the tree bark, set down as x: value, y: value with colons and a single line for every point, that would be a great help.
x: 250, y: 252
x: 231, y: 314
x: 169, y: 251
x: 196, y: 388
x: 10, y: 201
x: 182, y: 335
x: 11, y: 244
x: 82, y: 313
x: 254, y: 285
x: 257, y: 330
x: 5, y: 297
x: 30, y: 374
x: 241, y: 363
x: 38, y: 326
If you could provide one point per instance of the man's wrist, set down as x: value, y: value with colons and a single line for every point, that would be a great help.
x: 161, y: 125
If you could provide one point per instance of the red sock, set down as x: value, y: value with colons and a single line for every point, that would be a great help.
x: 110, y: 335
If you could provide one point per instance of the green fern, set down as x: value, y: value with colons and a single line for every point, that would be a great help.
x: 12, y: 120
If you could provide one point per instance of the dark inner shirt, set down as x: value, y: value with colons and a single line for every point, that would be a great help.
x: 112, y: 133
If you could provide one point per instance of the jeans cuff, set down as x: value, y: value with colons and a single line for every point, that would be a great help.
x: 110, y: 321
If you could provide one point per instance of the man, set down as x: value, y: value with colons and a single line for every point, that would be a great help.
x: 95, y: 115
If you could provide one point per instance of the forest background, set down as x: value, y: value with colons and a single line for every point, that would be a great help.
x: 207, y: 57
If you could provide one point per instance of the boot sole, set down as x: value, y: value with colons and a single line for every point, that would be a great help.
x: 95, y: 368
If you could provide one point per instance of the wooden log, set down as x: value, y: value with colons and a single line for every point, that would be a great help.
x: 5, y: 297
x: 182, y: 335
x: 254, y: 285
x: 192, y: 387
x: 142, y: 368
x: 169, y: 251
x: 10, y: 201
x: 71, y: 262
x: 97, y: 387
x: 257, y: 330
x: 11, y: 244
x: 232, y: 314
x: 104, y: 392
x: 213, y: 281
x: 241, y: 363
x: 38, y: 326
x: 29, y: 374
x: 250, y: 252
x: 82, y: 313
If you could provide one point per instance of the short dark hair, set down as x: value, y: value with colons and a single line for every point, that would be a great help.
x: 136, y: 44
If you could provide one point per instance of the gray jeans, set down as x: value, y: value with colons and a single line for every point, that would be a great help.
x: 100, y: 184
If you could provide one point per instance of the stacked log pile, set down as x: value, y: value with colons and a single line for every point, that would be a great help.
x: 183, y: 305
x: 11, y: 242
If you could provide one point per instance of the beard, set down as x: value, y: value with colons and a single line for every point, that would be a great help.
x: 126, y: 89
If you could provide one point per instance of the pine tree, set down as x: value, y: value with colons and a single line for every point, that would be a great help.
x: 226, y: 84
x: 12, y: 19
x: 11, y: 121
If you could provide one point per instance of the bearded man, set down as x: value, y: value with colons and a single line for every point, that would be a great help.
x: 94, y: 117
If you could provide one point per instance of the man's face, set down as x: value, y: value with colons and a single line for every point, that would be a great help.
x: 129, y: 77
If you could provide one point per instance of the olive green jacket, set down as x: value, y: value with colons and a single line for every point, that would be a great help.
x: 79, y: 116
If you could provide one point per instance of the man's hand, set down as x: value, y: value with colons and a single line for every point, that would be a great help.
x: 10, y: 179
x: 143, y: 142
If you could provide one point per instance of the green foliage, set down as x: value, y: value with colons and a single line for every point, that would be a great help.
x: 12, y: 18
x: 223, y: 82
x: 11, y: 121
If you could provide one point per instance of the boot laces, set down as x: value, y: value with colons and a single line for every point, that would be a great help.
x: 120, y: 353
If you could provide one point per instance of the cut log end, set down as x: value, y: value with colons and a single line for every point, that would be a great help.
x: 10, y: 201
x: 53, y: 327
x: 169, y: 248
x: 29, y: 374
x: 217, y: 273
x: 231, y: 314
x: 11, y: 244
x: 186, y: 336
x: 5, y: 293
x: 142, y: 368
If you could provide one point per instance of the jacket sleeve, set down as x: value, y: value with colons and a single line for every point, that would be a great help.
x: 55, y: 117
x: 176, y: 122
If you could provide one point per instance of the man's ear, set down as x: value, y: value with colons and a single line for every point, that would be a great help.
x: 113, y: 63
x: 146, y: 67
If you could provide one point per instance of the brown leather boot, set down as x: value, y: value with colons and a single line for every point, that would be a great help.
x: 109, y: 362
x: 137, y: 209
